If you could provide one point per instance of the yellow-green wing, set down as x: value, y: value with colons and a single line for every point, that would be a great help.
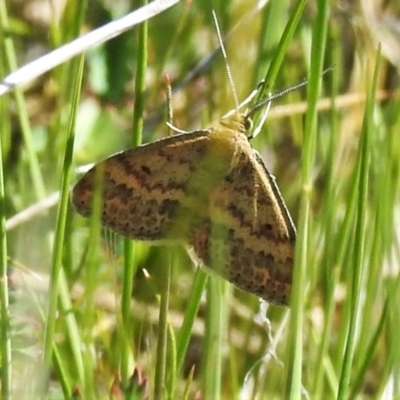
x: 249, y: 236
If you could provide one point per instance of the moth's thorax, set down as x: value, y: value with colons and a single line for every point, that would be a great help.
x: 227, y: 140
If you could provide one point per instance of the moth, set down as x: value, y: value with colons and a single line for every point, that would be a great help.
x: 208, y: 190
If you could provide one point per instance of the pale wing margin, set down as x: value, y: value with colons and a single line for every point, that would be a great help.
x: 285, y: 212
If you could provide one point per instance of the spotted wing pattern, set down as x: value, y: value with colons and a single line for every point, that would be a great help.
x: 209, y: 190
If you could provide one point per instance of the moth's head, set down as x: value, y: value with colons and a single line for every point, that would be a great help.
x: 238, y: 122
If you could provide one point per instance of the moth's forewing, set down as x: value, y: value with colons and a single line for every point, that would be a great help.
x: 156, y: 191
x: 249, y: 237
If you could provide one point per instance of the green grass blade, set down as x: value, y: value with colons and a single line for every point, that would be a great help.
x: 295, y: 347
x: 5, y: 339
x: 61, y: 222
x: 360, y: 237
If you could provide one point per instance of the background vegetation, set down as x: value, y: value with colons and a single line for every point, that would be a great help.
x: 74, y: 322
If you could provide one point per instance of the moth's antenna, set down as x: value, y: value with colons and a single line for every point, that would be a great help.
x: 267, y: 103
x: 275, y: 96
x: 281, y: 93
x: 228, y: 70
